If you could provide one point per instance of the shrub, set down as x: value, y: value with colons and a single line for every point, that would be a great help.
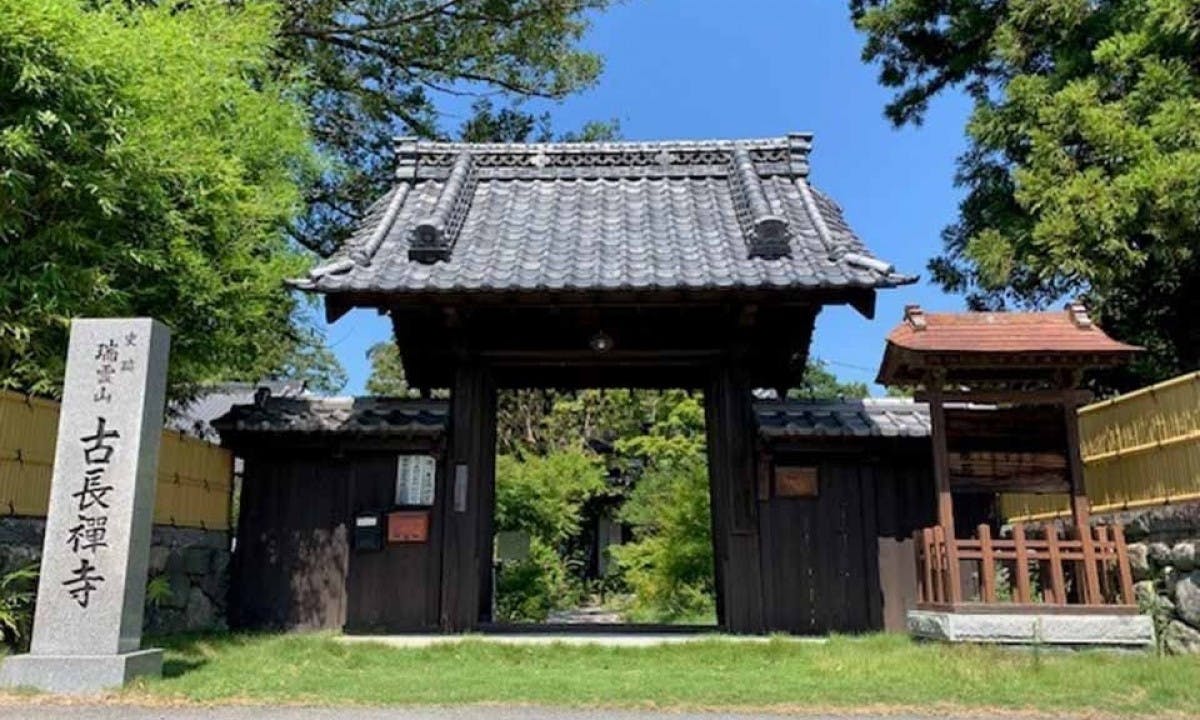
x: 542, y: 496
x: 527, y: 590
x: 669, y: 566
x: 18, y: 591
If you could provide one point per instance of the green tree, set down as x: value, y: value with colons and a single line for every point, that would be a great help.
x: 820, y: 383
x: 543, y: 496
x: 387, y: 371
x: 150, y: 164
x: 1083, y: 171
x: 669, y: 565
x: 312, y: 362
x: 376, y: 68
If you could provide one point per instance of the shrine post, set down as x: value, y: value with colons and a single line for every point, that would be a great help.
x: 88, y: 623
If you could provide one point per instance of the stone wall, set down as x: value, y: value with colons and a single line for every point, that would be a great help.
x: 1166, y: 524
x: 194, y: 564
x: 1167, y: 585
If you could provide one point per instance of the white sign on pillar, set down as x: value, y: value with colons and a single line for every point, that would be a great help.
x: 91, y: 589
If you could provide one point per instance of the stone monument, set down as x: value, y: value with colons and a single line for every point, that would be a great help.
x: 87, y: 627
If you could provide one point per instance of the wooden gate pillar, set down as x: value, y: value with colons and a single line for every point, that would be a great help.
x: 941, y: 474
x: 1081, y: 506
x: 469, y: 498
x: 730, y: 426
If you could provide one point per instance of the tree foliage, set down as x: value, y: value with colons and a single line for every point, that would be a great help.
x: 1083, y: 171
x: 821, y: 383
x: 150, y: 163
x: 311, y: 362
x: 654, y: 439
x: 543, y: 495
x: 669, y: 565
x: 387, y: 371
x: 377, y: 68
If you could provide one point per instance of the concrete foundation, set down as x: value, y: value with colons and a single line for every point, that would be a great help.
x: 1083, y: 630
x: 79, y: 674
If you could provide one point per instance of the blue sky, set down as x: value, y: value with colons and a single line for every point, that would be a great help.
x: 692, y: 69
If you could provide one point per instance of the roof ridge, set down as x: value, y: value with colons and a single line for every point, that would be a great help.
x: 788, y: 153
x: 434, y: 235
x: 766, y: 231
x: 486, y: 204
x: 410, y: 145
x: 880, y: 403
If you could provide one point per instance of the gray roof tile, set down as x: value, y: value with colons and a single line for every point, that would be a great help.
x: 607, y: 215
x: 872, y: 417
x: 337, y: 415
x: 195, y: 416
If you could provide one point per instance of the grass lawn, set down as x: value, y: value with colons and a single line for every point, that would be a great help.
x: 867, y: 672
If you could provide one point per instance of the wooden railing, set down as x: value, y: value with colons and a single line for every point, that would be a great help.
x: 1034, y: 566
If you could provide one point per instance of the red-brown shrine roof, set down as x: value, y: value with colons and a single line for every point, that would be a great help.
x: 1065, y: 331
x: 1066, y: 338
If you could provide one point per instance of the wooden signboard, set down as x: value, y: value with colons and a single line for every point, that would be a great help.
x: 797, y: 482
x: 415, y: 477
x: 408, y: 526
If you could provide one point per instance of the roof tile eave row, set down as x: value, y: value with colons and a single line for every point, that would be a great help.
x: 362, y: 417
x: 457, y: 286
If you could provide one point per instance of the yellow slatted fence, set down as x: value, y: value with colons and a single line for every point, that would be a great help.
x: 194, y: 477
x: 1140, y: 449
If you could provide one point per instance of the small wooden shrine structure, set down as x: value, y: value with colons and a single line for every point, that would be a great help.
x: 1003, y: 389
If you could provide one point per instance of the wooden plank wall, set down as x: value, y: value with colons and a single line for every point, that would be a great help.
x: 821, y: 556
x: 395, y: 589
x: 295, y: 568
x: 293, y: 550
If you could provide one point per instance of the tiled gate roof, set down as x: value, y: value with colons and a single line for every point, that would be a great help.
x: 353, y: 416
x: 872, y: 417
x: 598, y: 216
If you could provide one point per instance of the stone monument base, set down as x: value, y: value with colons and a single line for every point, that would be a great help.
x: 79, y: 674
x: 1094, y: 629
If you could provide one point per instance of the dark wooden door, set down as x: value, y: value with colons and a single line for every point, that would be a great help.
x: 396, y: 589
x: 820, y: 554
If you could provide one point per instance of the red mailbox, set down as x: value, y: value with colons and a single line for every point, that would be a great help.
x: 408, y: 526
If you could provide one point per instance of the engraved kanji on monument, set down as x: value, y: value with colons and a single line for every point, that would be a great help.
x: 87, y: 626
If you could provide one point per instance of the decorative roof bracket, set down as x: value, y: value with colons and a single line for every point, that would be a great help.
x: 433, y: 237
x: 767, y: 233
